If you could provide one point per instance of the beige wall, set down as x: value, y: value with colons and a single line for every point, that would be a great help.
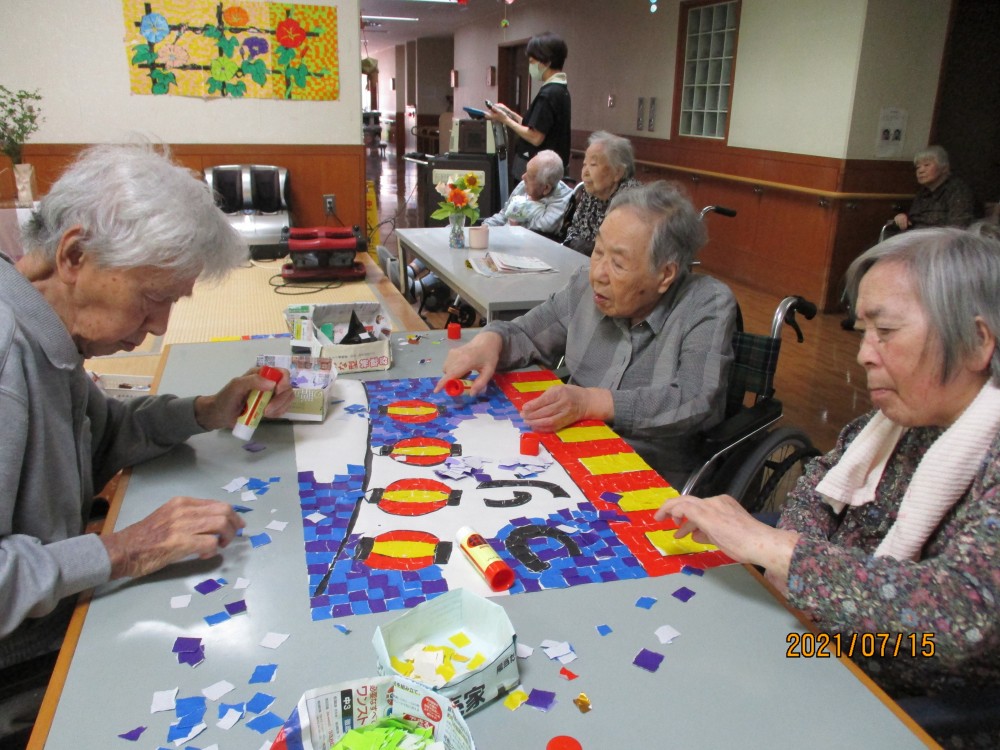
x: 811, y: 75
x: 73, y: 53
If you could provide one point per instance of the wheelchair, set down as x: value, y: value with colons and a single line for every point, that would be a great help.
x: 745, y: 456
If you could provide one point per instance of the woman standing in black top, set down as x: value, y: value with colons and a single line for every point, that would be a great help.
x: 547, y: 123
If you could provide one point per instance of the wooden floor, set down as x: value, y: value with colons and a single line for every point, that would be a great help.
x: 819, y: 381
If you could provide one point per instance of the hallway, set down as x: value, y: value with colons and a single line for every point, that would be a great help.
x: 819, y: 381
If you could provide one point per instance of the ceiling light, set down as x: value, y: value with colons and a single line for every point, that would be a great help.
x: 387, y: 18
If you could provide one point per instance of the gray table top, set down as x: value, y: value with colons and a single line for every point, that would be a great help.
x: 494, y: 296
x: 725, y: 682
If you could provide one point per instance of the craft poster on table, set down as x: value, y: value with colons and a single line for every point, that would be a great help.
x: 385, y: 486
x: 247, y: 49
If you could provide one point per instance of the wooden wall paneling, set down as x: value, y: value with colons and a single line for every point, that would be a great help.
x: 858, y: 224
x: 313, y: 171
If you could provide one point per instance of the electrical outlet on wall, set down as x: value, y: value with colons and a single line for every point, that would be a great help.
x: 330, y: 204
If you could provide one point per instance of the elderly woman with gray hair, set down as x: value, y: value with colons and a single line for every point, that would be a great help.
x: 121, y: 236
x: 608, y: 168
x: 943, y: 199
x: 896, y: 531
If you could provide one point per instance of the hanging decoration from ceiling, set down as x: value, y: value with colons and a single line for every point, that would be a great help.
x: 250, y: 49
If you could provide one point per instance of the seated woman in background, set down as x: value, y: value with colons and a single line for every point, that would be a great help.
x: 897, y: 530
x: 608, y: 167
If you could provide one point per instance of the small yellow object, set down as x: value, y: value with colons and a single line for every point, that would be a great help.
x: 586, y: 434
x: 477, y: 661
x: 615, y: 463
x: 650, y: 498
x: 446, y: 670
x: 514, y: 700
x: 667, y: 542
x: 460, y: 639
x: 403, y: 667
x: 582, y: 702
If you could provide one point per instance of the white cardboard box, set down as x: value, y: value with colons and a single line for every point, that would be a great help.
x: 319, y: 329
x: 312, y: 383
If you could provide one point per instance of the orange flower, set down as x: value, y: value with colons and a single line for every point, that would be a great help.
x: 235, y: 16
x: 458, y: 197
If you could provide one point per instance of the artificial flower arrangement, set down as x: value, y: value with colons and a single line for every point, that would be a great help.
x: 461, y: 196
x: 19, y: 118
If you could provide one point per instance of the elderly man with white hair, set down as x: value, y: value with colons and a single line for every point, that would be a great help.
x: 540, y: 199
x: 943, y: 199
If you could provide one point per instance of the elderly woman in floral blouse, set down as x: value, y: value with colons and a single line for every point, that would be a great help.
x: 897, y: 530
x: 608, y: 167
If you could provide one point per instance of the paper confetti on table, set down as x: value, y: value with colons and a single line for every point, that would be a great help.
x: 248, y: 497
x: 265, y: 722
x: 259, y: 540
x: 524, y: 650
x: 691, y: 570
x: 217, y: 618
x: 263, y: 673
x: 645, y: 602
x: 273, y: 640
x: 219, y: 689
x: 559, y: 651
x: 666, y: 633
x: 229, y: 719
x: 277, y: 525
x: 514, y: 699
x: 460, y: 639
x: 163, y: 700
x: 567, y: 675
x: 236, y: 484
x: 342, y: 628
x: 209, y: 585
x: 259, y: 703
x: 648, y: 660
x: 604, y: 630
x: 241, y: 583
x: 543, y: 700
x: 236, y: 608
x: 189, y: 651
x: 683, y: 593
x: 582, y: 702
x: 133, y: 734
x: 180, y: 602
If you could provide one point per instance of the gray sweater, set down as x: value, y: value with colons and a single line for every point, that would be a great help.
x: 62, y: 438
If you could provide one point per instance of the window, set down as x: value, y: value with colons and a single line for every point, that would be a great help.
x: 709, y: 50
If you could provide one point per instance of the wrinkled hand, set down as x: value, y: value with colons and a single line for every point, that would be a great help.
x: 182, y: 527
x: 481, y: 354
x: 563, y: 405
x: 722, y: 521
x: 223, y: 409
x: 902, y: 221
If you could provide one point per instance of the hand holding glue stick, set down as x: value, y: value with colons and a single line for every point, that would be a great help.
x: 223, y: 409
x: 253, y: 410
x: 485, y: 560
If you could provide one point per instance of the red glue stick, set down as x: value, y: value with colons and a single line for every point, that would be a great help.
x: 484, y: 559
x: 454, y: 331
x: 253, y: 410
x: 456, y: 387
x: 529, y: 444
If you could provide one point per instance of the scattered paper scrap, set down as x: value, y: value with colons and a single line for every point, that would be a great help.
x: 648, y: 660
x: 180, y: 602
x: 236, y: 484
x: 645, y: 602
x: 265, y: 722
x: 604, y: 630
x: 217, y: 618
x: 514, y: 699
x: 259, y: 703
x: 683, y: 593
x: 209, y: 585
x: 567, y: 675
x: 460, y: 639
x: 133, y: 734
x: 543, y: 700
x: 273, y: 640
x: 229, y: 719
x: 236, y: 608
x: 277, y: 525
x: 342, y: 628
x: 691, y: 570
x: 259, y: 540
x: 524, y: 650
x: 219, y: 689
x: 248, y: 496
x: 582, y: 702
x: 189, y: 651
x: 263, y: 673
x: 163, y: 700
x: 181, y: 733
x: 666, y: 633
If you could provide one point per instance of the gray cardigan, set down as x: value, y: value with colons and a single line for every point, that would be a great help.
x: 62, y: 438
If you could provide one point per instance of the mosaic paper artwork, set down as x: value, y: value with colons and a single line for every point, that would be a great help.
x: 380, y: 511
x: 250, y: 49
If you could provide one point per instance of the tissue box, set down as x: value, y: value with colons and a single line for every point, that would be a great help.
x: 319, y: 329
x: 324, y: 715
x: 312, y: 382
x: 436, y: 623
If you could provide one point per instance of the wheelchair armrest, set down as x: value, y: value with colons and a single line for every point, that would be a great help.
x: 961, y: 712
x: 743, y: 423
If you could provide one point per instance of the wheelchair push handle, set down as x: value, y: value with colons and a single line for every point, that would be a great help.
x: 721, y: 210
x: 785, y: 315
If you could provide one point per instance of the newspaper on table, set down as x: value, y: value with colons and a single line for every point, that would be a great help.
x: 324, y: 715
x: 501, y: 264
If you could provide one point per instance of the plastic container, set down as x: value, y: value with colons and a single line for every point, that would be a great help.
x: 257, y: 401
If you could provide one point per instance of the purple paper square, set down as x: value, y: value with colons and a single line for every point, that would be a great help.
x: 186, y: 645
x: 193, y: 658
x: 237, y: 607
x: 543, y: 700
x: 691, y: 570
x: 610, y: 497
x: 208, y: 586
x: 683, y: 593
x: 648, y: 660
x: 253, y: 447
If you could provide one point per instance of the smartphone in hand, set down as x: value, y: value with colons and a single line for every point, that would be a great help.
x: 489, y: 104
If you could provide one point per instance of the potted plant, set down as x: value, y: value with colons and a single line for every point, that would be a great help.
x: 461, y: 202
x: 19, y: 118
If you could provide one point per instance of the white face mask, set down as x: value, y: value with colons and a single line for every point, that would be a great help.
x: 536, y: 70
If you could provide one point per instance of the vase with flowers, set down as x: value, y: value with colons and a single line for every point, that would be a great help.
x: 19, y: 118
x: 461, y: 202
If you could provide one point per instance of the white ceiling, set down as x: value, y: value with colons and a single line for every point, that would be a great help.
x: 436, y: 19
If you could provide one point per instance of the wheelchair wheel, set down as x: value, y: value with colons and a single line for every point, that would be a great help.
x: 770, y: 470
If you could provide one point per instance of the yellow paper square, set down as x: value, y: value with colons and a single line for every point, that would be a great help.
x: 647, y: 499
x: 615, y: 463
x: 477, y: 661
x: 669, y: 544
x: 586, y: 434
x: 514, y: 700
x: 460, y: 639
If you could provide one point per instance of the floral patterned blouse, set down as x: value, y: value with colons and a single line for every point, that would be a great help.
x: 951, y: 593
x: 587, y: 218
